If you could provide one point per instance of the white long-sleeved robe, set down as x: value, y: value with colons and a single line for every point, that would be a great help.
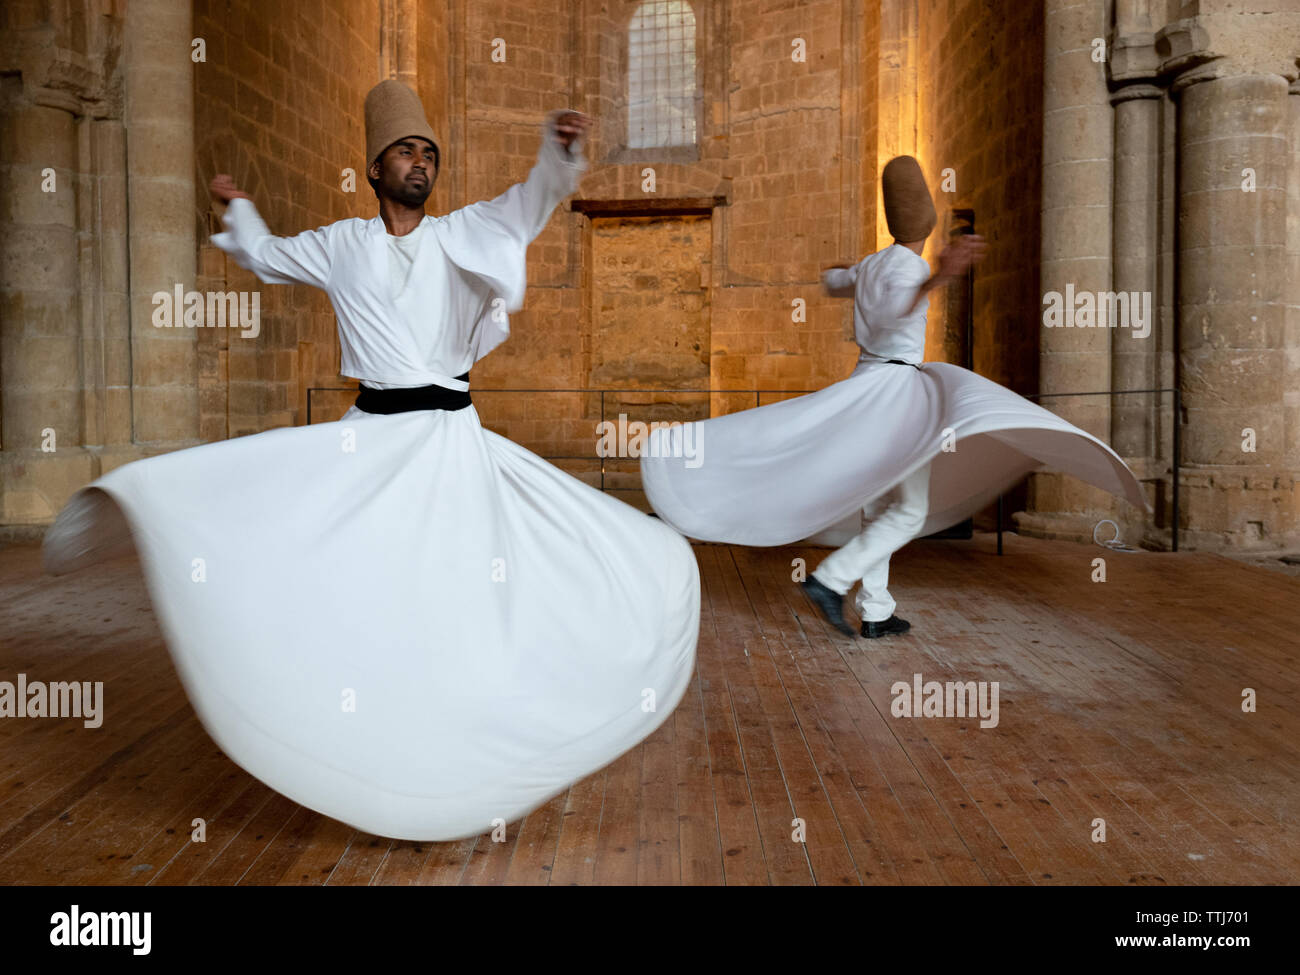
x: 804, y: 468
x: 404, y: 621
x: 882, y: 286
x: 454, y: 308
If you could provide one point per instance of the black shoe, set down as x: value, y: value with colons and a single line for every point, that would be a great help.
x: 829, y: 602
x: 885, y: 627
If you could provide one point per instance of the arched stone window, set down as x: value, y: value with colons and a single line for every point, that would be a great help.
x: 661, y: 87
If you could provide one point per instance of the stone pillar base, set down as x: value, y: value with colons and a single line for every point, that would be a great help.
x: 1241, y: 508
x: 34, y: 484
x: 1233, y: 509
x: 1063, y: 507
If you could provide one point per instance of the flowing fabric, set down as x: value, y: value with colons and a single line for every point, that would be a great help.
x: 405, y: 622
x: 788, y: 471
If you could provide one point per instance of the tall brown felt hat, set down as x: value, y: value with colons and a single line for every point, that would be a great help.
x: 909, y: 210
x: 393, y: 112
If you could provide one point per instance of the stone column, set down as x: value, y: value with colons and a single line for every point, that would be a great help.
x: 159, y: 112
x: 1291, y: 369
x: 1135, y: 255
x: 1232, y: 273
x: 40, y: 385
x: 897, y: 95
x: 105, y: 306
x: 1078, y: 137
x: 399, y: 32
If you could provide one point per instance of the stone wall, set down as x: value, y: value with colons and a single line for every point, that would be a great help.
x: 1112, y: 173
x: 1168, y: 173
x: 278, y: 105
x: 779, y: 163
x: 980, y: 123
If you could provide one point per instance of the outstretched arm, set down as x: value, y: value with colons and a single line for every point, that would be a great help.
x: 839, y: 280
x: 521, y: 212
x: 489, y: 240
x: 301, y: 259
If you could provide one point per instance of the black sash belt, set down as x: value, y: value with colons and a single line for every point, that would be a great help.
x: 371, y: 400
x: 904, y: 362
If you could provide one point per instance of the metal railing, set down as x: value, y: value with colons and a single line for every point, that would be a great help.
x: 758, y: 401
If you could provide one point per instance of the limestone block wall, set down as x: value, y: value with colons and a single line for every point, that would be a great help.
x: 508, y: 65
x: 85, y: 385
x: 1138, y: 182
x: 980, y: 119
x: 782, y: 96
x: 278, y: 104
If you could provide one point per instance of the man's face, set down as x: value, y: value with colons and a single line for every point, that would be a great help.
x: 406, y: 171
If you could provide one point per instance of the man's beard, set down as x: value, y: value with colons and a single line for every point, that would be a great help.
x: 408, y: 193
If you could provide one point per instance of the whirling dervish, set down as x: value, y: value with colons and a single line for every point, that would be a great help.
x: 400, y: 619
x: 911, y: 446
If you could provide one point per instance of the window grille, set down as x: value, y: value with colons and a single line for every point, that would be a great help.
x: 661, y: 75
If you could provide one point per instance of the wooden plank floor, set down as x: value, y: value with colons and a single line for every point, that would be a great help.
x: 1118, y: 701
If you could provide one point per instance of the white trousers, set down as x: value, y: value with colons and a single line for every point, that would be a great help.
x: 889, y: 523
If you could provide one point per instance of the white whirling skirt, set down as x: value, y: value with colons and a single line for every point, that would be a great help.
x: 787, y: 471
x: 419, y: 636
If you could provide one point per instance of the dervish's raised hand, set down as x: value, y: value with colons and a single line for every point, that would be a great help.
x: 570, y: 126
x: 224, y: 190
x: 961, y: 254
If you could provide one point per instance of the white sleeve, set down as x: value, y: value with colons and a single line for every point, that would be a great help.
x: 301, y: 259
x: 489, y: 239
x: 840, y: 282
x: 898, y: 291
x: 524, y: 209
